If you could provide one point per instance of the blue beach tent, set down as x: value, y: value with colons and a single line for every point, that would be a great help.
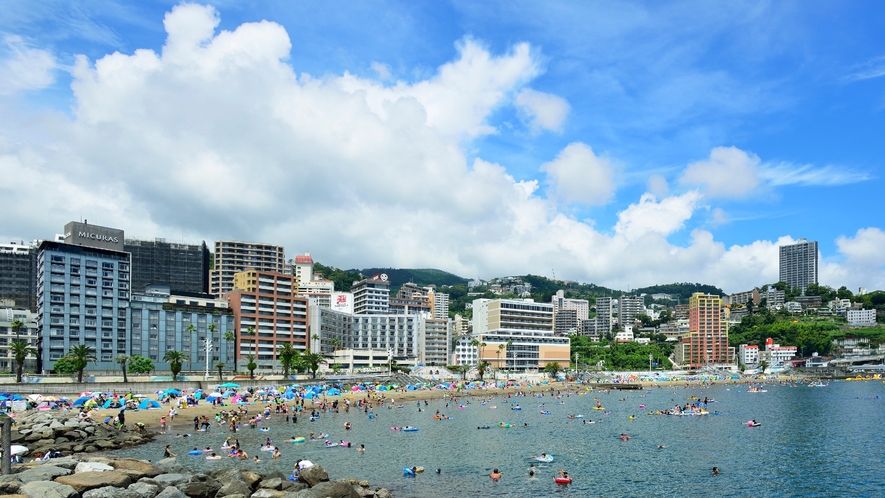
x: 148, y: 404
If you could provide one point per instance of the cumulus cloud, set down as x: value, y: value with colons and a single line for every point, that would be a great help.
x: 650, y: 216
x: 542, y: 110
x: 579, y: 175
x: 24, y: 68
x: 217, y: 136
x: 728, y: 172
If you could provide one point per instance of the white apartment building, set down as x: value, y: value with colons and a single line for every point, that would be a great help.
x: 603, y: 315
x: 628, y: 308
x: 861, y: 318
x: 777, y: 355
x: 748, y: 354
x: 439, y: 303
x: 27, y: 333
x: 371, y: 296
x: 581, y: 306
x: 518, y: 334
x: 310, y: 284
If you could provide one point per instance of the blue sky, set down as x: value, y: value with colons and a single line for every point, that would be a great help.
x: 624, y: 144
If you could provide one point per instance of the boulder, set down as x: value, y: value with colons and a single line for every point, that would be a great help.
x: 336, y: 489
x: 226, y: 475
x: 47, y: 489
x: 144, y: 490
x: 250, y: 477
x: 171, y: 492
x: 382, y: 493
x: 268, y: 493
x: 85, y: 481
x: 42, y: 473
x: 67, y: 462
x: 136, y: 469
x: 166, y: 480
x: 110, y: 492
x: 234, y: 487
x: 9, y: 484
x: 275, y: 483
x: 295, y: 487
x: 201, y: 489
x: 313, y: 476
x: 171, y: 466
x: 92, y: 467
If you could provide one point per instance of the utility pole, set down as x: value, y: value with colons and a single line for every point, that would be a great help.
x: 208, y: 347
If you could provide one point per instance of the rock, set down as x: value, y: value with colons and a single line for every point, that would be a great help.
x: 382, y: 493
x: 42, y: 473
x: 171, y: 492
x: 275, y: 483
x: 65, y: 462
x: 110, y: 492
x: 313, y: 476
x: 136, y: 469
x: 226, y: 475
x: 171, y: 466
x: 144, y: 490
x: 85, y: 481
x: 9, y: 484
x: 335, y: 489
x: 268, y: 493
x: 363, y: 484
x: 78, y: 448
x: 250, y: 477
x: 234, y: 487
x: 295, y: 487
x: 47, y: 489
x: 201, y: 489
x: 71, y: 422
x: 107, y: 444
x: 92, y: 467
x: 166, y: 480
x: 62, y: 440
x: 56, y: 425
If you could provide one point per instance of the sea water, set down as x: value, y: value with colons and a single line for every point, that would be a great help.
x: 812, y: 442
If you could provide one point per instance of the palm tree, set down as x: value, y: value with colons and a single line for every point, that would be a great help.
x: 287, y: 354
x: 553, y: 368
x: 316, y: 337
x: 212, y: 328
x: 251, y: 366
x: 482, y: 368
x: 16, y: 326
x: 122, y: 359
x: 21, y: 350
x: 509, y: 365
x: 500, y: 349
x: 80, y: 355
x: 175, y: 359
x: 335, y: 343
x: 230, y: 336
x: 220, y: 366
x: 312, y: 362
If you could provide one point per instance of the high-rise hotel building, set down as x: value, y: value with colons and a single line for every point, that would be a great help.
x: 233, y: 257
x: 83, y: 287
x: 798, y: 264
x: 706, y: 342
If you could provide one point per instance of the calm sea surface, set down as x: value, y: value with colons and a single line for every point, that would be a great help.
x: 825, y: 441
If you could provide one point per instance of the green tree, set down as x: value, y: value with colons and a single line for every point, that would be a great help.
x: 122, y: 359
x: 81, y: 355
x: 230, y: 336
x: 500, y: 350
x: 220, y: 366
x: 552, y: 369
x: 140, y: 365
x: 175, y: 359
x: 481, y: 369
x: 16, y: 326
x: 20, y: 350
x: 312, y: 361
x: 763, y: 365
x: 251, y: 366
x: 287, y: 354
x: 64, y: 366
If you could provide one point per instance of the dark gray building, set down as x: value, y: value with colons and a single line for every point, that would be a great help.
x: 181, y: 267
x: 799, y: 264
x: 18, y: 275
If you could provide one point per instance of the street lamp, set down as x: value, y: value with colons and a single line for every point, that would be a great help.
x: 208, y: 348
x: 389, y: 362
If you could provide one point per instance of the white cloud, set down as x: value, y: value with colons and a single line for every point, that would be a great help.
x: 657, y: 185
x: 728, y: 172
x: 578, y: 175
x: 650, y: 216
x: 23, y: 68
x: 873, y: 68
x: 806, y: 174
x: 381, y: 69
x: 542, y: 110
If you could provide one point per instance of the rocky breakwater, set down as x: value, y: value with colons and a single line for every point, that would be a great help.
x: 42, y: 431
x: 95, y: 476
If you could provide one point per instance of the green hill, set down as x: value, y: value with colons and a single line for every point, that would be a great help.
x: 422, y: 277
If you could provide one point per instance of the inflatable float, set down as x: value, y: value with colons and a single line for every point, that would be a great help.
x: 297, y: 440
x: 544, y: 458
x: 562, y: 480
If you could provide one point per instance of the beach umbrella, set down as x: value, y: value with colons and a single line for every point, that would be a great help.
x: 82, y: 401
x: 17, y: 449
x: 173, y: 392
x: 35, y: 397
x: 16, y: 397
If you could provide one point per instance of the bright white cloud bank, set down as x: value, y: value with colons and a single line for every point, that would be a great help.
x: 219, y: 137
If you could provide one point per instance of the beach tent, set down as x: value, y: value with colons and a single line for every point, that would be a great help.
x: 112, y: 403
x: 333, y: 392
x: 212, y: 397
x: 81, y: 401
x: 171, y: 392
x: 147, y: 404
x: 238, y: 399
